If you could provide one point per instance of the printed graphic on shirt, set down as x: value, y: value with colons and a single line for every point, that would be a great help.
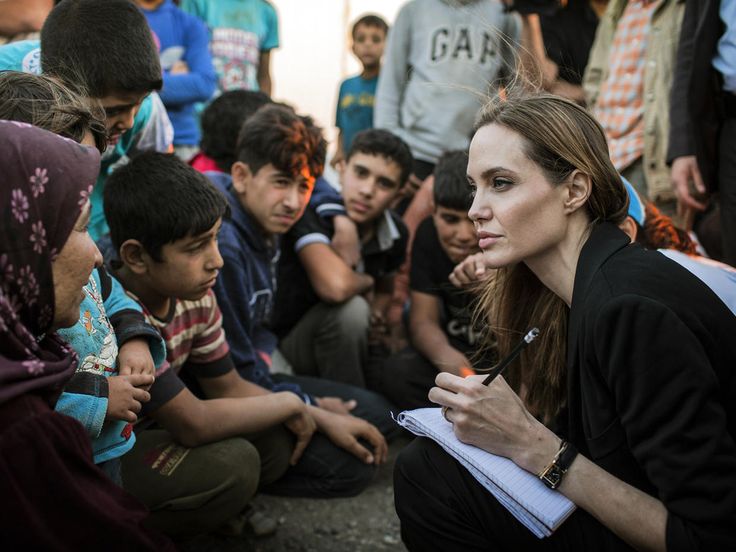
x: 32, y: 62
x: 462, y: 43
x: 102, y: 358
x: 235, y: 54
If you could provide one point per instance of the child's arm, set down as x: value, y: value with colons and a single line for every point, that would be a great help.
x: 199, y: 82
x: 270, y: 41
x: 85, y: 398
x: 339, y: 151
x: 194, y: 422
x: 140, y: 347
x: 429, y: 339
x: 327, y: 203
x: 394, y: 74
x: 332, y: 279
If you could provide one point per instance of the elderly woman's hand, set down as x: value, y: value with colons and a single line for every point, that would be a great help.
x: 495, y: 419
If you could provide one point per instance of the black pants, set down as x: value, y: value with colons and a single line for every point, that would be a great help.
x: 405, y: 379
x: 727, y: 188
x: 442, y: 507
x: 326, y: 470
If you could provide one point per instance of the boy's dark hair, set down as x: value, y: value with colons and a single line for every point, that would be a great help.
x: 47, y: 103
x: 370, y: 20
x: 451, y: 188
x: 107, y: 43
x: 222, y: 121
x: 377, y: 141
x: 158, y: 199
x: 277, y: 135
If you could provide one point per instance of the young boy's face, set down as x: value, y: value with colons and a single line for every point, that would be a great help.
x: 275, y: 199
x: 455, y: 232
x: 369, y: 184
x: 188, y: 267
x: 120, y: 111
x: 368, y: 44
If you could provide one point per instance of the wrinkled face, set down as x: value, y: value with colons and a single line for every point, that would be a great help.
x: 369, y: 184
x: 518, y: 214
x: 368, y: 44
x: 276, y: 200
x: 120, y: 111
x: 71, y: 270
x: 188, y: 267
x: 456, y: 233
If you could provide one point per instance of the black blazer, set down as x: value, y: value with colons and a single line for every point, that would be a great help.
x: 651, y: 385
x: 696, y: 109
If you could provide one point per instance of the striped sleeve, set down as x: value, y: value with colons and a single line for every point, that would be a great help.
x: 209, y: 345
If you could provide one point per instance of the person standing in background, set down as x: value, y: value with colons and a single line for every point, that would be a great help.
x: 189, y: 76
x: 442, y: 58
x: 703, y: 115
x: 357, y: 94
x: 242, y: 35
x: 627, y: 83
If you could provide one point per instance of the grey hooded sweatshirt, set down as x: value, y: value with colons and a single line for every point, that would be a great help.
x: 443, y: 58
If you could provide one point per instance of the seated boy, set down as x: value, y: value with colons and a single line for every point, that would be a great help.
x: 322, y: 315
x: 164, y: 219
x: 357, y: 94
x: 104, y: 49
x: 111, y: 338
x: 221, y: 122
x: 440, y: 329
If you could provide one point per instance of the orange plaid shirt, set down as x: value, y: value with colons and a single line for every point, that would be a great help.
x: 619, y: 107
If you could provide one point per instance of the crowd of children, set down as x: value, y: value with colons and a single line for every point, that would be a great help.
x: 240, y: 325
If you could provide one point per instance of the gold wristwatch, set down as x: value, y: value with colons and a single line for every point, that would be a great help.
x: 554, y: 472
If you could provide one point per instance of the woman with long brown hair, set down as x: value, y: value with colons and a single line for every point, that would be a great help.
x: 626, y: 405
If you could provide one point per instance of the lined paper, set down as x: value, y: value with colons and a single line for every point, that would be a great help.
x: 539, y: 508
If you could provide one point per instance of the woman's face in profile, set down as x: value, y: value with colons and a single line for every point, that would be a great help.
x: 71, y: 271
x: 518, y: 214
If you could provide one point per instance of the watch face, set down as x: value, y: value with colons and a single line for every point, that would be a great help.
x: 553, y: 476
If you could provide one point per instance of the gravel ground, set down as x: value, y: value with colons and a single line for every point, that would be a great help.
x: 365, y: 523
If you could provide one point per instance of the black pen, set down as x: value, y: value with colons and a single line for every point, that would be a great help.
x: 528, y: 338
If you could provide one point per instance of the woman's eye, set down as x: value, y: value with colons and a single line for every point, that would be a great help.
x: 500, y: 183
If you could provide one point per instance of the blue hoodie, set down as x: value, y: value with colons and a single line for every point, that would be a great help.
x: 183, y: 37
x: 245, y: 291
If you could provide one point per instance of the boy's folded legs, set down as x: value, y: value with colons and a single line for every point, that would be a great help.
x: 331, y: 342
x: 323, y: 471
x: 190, y: 490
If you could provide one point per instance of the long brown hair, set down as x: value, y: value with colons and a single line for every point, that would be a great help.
x: 560, y: 137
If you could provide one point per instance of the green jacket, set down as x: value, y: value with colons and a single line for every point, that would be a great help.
x: 661, y: 58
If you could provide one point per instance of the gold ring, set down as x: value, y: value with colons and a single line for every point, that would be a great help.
x: 444, y: 413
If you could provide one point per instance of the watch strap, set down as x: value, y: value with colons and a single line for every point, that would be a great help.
x: 555, y: 471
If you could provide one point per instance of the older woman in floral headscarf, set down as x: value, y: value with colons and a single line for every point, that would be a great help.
x: 53, y: 497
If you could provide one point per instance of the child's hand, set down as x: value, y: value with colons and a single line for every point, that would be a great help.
x: 134, y: 357
x: 336, y: 404
x: 125, y: 395
x: 346, y: 241
x: 469, y: 271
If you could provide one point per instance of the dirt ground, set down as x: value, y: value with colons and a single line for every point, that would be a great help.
x: 365, y: 523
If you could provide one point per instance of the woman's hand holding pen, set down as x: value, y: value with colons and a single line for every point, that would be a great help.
x: 495, y: 419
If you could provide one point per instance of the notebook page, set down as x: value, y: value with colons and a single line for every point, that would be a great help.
x: 539, y: 508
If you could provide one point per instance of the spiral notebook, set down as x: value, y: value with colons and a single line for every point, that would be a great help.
x: 538, y: 507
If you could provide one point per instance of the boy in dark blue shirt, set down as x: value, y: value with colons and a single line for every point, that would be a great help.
x: 324, y: 305
x: 278, y: 157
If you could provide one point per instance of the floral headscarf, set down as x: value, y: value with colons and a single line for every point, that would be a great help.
x: 45, y: 181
